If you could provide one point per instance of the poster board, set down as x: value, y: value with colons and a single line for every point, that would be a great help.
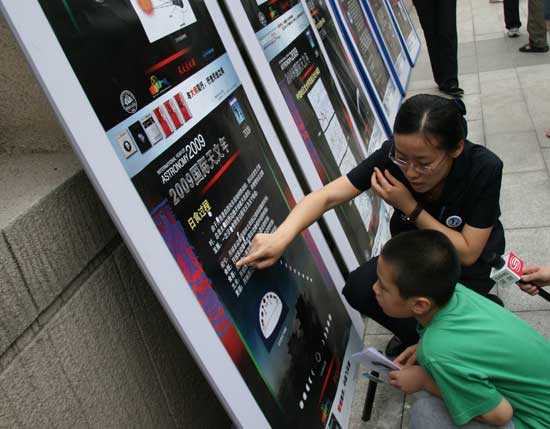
x: 387, y: 36
x: 189, y: 168
x: 370, y: 60
x: 373, y: 128
x: 298, y: 82
x: 407, y: 32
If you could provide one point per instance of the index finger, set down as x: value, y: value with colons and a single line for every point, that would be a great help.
x: 250, y: 258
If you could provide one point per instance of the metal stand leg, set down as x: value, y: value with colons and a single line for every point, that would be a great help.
x: 369, y: 399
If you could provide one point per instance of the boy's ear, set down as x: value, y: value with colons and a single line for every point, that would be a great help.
x: 421, y: 305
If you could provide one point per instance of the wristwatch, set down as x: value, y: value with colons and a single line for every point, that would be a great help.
x: 414, y: 215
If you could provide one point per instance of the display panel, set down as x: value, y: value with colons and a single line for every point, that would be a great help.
x: 370, y: 61
x: 290, y: 63
x: 407, y: 33
x: 388, y: 39
x: 361, y: 106
x: 173, y: 143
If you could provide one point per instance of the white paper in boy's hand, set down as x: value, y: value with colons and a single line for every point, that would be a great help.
x: 375, y: 361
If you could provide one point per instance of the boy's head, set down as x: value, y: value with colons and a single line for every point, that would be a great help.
x: 417, y: 272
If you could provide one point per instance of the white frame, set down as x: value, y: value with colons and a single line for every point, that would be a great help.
x: 402, y: 68
x: 118, y: 194
x: 393, y: 97
x: 413, y: 44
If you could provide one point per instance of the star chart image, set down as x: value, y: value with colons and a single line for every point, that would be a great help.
x: 163, y: 17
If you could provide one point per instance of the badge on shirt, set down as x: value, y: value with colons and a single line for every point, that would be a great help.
x: 453, y: 221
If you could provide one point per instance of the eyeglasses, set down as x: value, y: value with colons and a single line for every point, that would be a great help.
x: 421, y: 169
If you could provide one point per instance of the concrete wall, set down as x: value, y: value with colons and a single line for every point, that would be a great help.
x: 83, y: 340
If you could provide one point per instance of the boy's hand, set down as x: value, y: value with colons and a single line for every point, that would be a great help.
x: 408, y: 357
x: 409, y: 379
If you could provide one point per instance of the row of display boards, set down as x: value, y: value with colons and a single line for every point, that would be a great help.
x: 165, y: 115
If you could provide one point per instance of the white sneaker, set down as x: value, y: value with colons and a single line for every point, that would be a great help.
x: 513, y: 32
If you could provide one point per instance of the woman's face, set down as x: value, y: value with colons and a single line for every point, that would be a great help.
x: 424, y: 163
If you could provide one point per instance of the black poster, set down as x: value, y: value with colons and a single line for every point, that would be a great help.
x: 360, y: 32
x: 385, y: 25
x: 357, y: 101
x: 175, y: 112
x: 310, y: 93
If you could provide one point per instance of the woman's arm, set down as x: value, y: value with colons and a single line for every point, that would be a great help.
x: 469, y: 242
x: 266, y: 249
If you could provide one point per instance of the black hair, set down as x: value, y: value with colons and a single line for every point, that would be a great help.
x: 425, y: 263
x: 434, y: 117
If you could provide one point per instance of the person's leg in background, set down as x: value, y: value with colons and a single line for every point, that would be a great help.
x: 547, y: 19
x: 438, y: 21
x: 426, y: 15
x: 536, y: 27
x: 448, y: 44
x: 511, y: 17
x: 430, y: 412
x: 360, y: 295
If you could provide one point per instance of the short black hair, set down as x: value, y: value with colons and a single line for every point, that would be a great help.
x: 434, y: 117
x: 425, y: 264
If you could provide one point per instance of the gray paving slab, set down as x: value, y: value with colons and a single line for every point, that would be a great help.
x: 488, y: 36
x: 468, y: 65
x: 469, y: 82
x: 531, y: 59
x: 499, y: 81
x: 388, y: 405
x: 533, y: 246
x: 473, y: 107
x: 476, y: 133
x: 466, y: 50
x: 525, y: 200
x: 495, y: 62
x: 546, y: 156
x: 534, y: 76
x: 541, y: 126
x: 374, y: 328
x: 520, y: 152
x: 539, y: 320
x: 505, y: 113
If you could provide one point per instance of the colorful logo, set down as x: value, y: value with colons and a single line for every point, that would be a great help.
x: 515, y: 264
x: 157, y: 85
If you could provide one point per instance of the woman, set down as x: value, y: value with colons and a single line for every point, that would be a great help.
x: 435, y: 179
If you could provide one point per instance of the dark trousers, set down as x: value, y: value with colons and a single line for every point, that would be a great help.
x: 511, y: 14
x: 360, y: 295
x: 438, y: 21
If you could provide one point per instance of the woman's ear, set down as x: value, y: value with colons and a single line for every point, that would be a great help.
x: 456, y: 153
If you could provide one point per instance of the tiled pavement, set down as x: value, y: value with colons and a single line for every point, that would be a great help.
x: 508, y: 102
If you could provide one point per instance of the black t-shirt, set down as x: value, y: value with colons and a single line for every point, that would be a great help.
x: 470, y: 196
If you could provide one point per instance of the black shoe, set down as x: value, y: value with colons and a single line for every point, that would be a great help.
x: 495, y: 299
x: 452, y: 90
x: 394, y: 347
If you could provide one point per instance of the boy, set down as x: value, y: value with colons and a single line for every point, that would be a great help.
x: 490, y: 368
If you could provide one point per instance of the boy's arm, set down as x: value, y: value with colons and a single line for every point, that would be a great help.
x: 498, y: 416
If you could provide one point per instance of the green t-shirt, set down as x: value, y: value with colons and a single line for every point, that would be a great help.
x: 477, y: 352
